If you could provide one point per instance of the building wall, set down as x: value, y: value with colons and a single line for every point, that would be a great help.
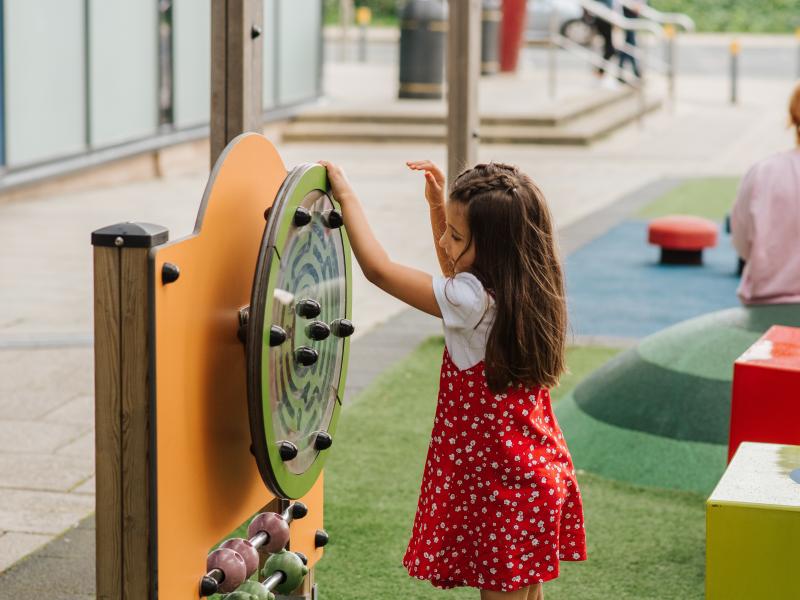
x: 80, y: 76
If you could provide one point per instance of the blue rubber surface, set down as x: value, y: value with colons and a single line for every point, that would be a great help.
x: 616, y: 286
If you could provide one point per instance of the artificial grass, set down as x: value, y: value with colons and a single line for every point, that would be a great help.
x: 711, y: 198
x: 641, y: 542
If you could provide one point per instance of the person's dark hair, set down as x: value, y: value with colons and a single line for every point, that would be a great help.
x: 516, y: 260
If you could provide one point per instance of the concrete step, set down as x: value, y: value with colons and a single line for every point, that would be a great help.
x: 579, y: 131
x: 411, y: 112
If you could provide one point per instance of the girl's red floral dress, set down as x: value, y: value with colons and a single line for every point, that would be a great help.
x: 499, y: 504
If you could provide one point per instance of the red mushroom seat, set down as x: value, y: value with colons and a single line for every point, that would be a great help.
x: 682, y: 238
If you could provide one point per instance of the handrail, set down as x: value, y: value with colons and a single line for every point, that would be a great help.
x: 594, y: 59
x: 606, y: 14
x: 645, y: 11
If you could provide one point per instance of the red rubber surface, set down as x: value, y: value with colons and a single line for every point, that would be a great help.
x: 682, y: 233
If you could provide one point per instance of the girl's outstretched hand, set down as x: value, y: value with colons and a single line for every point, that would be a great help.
x: 340, y: 187
x: 434, y: 180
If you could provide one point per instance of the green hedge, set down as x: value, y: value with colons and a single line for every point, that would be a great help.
x: 757, y: 16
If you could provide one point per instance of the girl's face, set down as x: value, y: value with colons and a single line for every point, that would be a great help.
x: 457, y: 238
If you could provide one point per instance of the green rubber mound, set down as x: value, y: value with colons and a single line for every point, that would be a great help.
x: 659, y: 414
x: 637, y: 457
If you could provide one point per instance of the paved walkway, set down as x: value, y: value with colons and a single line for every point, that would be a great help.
x: 46, y: 380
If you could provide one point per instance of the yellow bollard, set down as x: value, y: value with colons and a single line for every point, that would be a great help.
x: 363, y: 19
x: 363, y: 15
x: 735, y: 49
x: 797, y: 37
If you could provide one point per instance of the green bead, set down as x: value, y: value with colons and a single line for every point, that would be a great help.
x: 256, y: 590
x: 292, y: 567
x: 238, y: 595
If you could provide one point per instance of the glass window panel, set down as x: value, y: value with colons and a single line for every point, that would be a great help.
x: 123, y: 70
x: 299, y: 49
x: 44, y: 79
x: 191, y: 50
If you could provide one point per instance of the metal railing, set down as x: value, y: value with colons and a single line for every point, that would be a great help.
x: 660, y: 25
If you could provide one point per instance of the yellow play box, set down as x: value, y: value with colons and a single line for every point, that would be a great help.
x: 753, y: 526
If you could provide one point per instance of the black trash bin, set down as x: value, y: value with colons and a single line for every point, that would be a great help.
x: 423, y: 30
x: 490, y: 37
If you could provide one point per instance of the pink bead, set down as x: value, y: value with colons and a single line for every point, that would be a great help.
x: 232, y: 564
x: 246, y: 549
x: 277, y: 528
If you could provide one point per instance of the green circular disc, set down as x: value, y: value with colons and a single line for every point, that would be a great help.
x: 290, y: 402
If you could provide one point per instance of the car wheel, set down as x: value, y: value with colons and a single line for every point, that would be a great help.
x: 578, y: 31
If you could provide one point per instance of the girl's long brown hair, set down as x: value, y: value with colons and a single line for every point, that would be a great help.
x: 516, y: 260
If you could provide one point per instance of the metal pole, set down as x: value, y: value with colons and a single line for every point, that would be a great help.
x: 641, y: 83
x: 552, y: 48
x: 363, y: 18
x: 463, y: 72
x: 669, y: 31
x: 345, y: 17
x: 797, y: 37
x: 734, y: 50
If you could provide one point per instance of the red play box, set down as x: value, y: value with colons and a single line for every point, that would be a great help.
x: 766, y: 391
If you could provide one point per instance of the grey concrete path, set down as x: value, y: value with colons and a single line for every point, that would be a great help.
x: 46, y: 415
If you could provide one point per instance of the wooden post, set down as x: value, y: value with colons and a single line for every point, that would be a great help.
x: 122, y: 408
x: 236, y: 70
x: 463, y: 70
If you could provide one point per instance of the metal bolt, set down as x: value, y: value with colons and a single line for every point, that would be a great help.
x: 119, y: 241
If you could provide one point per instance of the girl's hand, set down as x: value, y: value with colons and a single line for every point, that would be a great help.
x: 434, y: 180
x: 340, y: 187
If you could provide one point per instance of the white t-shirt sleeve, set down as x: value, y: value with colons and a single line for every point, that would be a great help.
x: 462, y: 300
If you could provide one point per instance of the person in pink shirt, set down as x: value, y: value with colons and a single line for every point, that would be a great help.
x: 765, y: 224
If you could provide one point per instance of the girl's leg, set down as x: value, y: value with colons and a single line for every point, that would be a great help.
x: 521, y: 594
x: 536, y: 592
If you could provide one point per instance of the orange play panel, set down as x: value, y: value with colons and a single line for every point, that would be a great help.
x: 207, y: 480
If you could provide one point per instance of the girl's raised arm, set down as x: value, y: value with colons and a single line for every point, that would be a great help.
x: 434, y: 194
x: 412, y: 286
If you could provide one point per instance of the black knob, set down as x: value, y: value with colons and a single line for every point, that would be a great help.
x: 332, y: 219
x: 287, y: 450
x: 306, y: 356
x: 277, y: 335
x: 308, y: 309
x: 299, y: 510
x: 320, y: 539
x: 169, y: 273
x: 342, y: 328
x: 208, y: 586
x: 317, y: 330
x: 302, y: 216
x: 323, y: 441
x: 255, y: 31
x: 302, y: 557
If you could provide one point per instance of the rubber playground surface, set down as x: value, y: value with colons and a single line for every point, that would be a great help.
x: 617, y: 288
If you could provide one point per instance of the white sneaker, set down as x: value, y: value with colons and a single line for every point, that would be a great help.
x: 609, y: 83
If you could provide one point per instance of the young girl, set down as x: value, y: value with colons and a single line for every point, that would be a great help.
x: 499, y: 505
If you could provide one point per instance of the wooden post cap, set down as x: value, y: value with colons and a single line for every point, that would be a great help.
x: 131, y: 235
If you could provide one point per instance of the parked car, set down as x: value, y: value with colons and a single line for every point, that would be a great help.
x: 571, y: 21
